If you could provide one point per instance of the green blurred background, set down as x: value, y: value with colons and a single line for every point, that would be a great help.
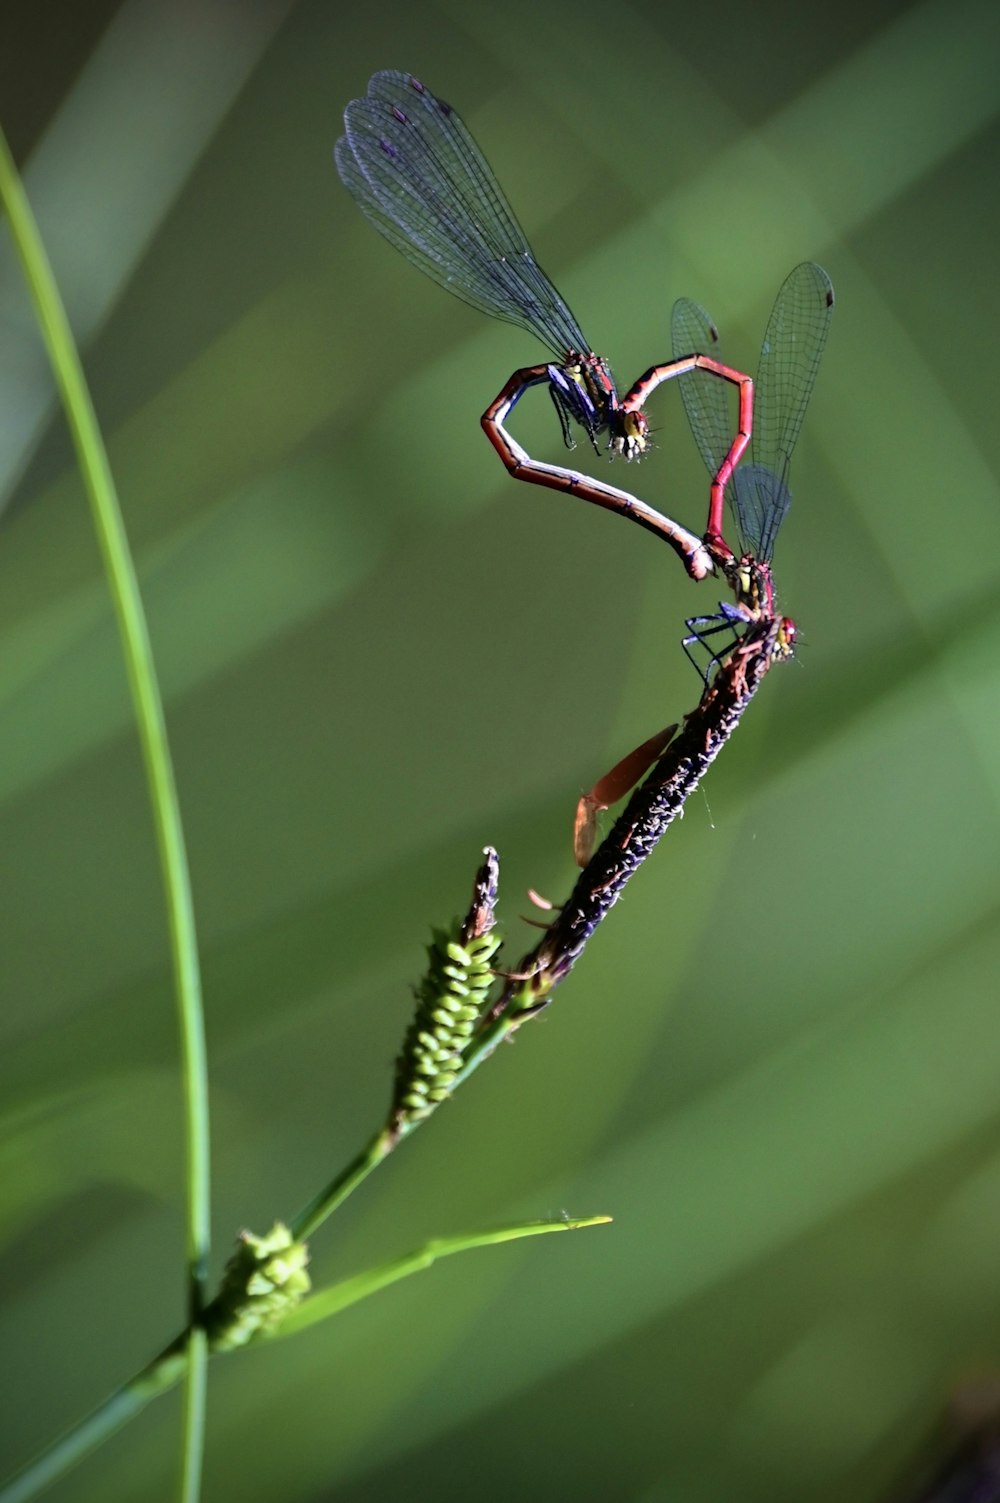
x: 778, y: 1067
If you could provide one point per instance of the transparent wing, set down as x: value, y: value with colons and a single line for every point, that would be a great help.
x: 419, y: 176
x: 705, y: 397
x: 760, y: 504
x: 793, y: 344
x: 789, y: 359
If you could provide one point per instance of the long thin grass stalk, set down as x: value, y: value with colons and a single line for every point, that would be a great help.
x: 123, y: 585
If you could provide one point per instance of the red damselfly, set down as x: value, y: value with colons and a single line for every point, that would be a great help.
x: 420, y: 178
x: 789, y: 360
x: 793, y: 344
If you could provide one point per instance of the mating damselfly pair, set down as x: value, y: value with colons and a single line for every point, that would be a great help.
x: 419, y: 176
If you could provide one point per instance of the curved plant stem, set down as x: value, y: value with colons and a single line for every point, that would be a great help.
x: 123, y: 585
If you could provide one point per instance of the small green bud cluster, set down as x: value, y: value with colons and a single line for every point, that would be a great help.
x: 263, y: 1281
x: 451, y: 1000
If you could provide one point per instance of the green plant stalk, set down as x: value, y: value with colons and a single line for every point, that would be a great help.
x: 333, y: 1195
x: 195, y: 1403
x: 336, y: 1192
x: 387, y: 1138
x: 123, y: 585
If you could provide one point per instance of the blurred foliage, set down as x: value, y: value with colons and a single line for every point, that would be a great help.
x: 777, y: 1068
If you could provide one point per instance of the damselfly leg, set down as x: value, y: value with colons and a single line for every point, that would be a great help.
x: 725, y: 621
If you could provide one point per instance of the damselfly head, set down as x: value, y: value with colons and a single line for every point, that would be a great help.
x: 583, y: 390
x: 629, y: 434
x: 785, y: 641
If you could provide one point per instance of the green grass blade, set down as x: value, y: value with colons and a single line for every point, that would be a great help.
x: 337, y: 1297
x: 123, y: 585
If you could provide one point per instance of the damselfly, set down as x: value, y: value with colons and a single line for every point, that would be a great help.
x: 793, y: 344
x: 418, y: 175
